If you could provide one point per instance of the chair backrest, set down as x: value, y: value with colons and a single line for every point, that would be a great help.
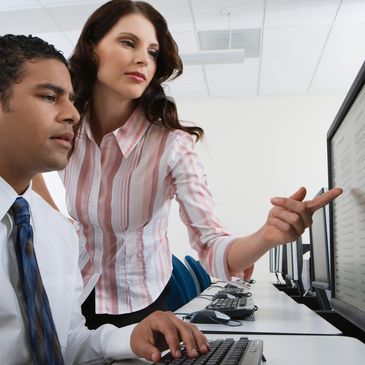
x: 184, y: 278
x: 198, y: 270
x: 175, y: 297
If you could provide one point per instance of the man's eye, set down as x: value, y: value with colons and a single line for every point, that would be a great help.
x: 49, y: 98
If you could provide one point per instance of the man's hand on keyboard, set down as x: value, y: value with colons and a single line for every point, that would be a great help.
x: 163, y: 330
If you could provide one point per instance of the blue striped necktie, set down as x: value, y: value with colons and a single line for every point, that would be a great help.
x: 45, y: 347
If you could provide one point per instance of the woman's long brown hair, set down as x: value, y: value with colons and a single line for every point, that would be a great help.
x: 157, y: 106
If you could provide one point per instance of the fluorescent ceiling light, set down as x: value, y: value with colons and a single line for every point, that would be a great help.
x: 213, y: 57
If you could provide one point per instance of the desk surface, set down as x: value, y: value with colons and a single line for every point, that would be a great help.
x: 277, y: 314
x: 301, y: 350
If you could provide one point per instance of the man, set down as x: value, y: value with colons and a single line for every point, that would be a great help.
x: 36, y: 132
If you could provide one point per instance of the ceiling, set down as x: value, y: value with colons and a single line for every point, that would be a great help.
x: 305, y: 46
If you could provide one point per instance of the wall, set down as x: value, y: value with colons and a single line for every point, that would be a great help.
x: 255, y: 148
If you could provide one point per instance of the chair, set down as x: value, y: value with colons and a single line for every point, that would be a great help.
x: 175, y: 297
x: 184, y: 278
x: 195, y: 267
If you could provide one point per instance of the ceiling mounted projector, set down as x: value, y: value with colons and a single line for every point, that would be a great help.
x: 219, y: 56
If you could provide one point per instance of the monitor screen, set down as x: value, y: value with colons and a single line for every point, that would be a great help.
x: 320, y: 269
x: 346, y: 162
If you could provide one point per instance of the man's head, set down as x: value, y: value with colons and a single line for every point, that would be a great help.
x: 36, y: 109
x: 15, y: 52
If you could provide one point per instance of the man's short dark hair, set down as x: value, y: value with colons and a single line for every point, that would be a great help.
x: 15, y: 52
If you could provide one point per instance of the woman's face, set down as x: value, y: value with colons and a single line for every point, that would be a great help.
x: 127, y: 58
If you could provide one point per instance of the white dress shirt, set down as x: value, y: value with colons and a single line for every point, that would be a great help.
x: 57, y: 250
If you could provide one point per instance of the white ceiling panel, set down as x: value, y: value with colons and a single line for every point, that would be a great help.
x: 71, y: 17
x: 346, y: 39
x: 177, y: 12
x: 351, y: 11
x: 235, y: 73
x: 67, y: 2
x: 286, y: 75
x: 186, y: 41
x: 281, y: 13
x: 294, y: 41
x: 190, y: 84
x: 335, y: 75
x: 190, y: 75
x: 26, y: 21
x: 246, y: 14
x: 18, y: 4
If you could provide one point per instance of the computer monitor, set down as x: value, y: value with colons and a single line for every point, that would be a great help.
x: 318, y: 235
x: 320, y: 266
x: 294, y: 263
x: 346, y: 164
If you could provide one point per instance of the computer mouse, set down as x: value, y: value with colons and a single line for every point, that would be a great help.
x: 223, y: 295
x: 209, y: 316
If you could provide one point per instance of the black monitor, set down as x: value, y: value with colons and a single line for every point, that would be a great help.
x: 320, y: 266
x: 346, y: 163
x: 276, y: 260
x: 294, y: 264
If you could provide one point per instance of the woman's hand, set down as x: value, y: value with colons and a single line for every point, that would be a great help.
x: 289, y: 217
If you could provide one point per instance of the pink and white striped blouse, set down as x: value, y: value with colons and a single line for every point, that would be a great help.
x: 120, y: 193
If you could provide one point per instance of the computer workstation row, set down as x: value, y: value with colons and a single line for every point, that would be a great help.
x: 290, y: 330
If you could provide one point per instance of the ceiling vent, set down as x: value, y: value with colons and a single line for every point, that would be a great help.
x: 247, y: 39
x: 224, y: 46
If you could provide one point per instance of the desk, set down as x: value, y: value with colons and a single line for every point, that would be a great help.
x: 301, y: 350
x: 277, y: 314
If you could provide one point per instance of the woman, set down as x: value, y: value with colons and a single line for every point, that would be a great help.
x: 131, y: 157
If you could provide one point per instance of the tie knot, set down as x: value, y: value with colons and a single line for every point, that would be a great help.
x: 20, y: 210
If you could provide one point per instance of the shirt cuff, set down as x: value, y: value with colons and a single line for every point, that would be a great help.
x: 118, y: 346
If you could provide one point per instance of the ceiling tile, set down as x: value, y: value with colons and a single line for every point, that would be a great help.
x: 294, y: 41
x: 177, y: 12
x: 336, y: 75
x: 300, y: 12
x: 190, y: 75
x: 235, y: 73
x: 71, y: 17
x: 68, y: 2
x: 190, y: 84
x: 246, y: 14
x: 346, y: 38
x: 351, y: 11
x: 18, y: 4
x: 26, y: 21
x: 186, y: 41
x: 286, y: 75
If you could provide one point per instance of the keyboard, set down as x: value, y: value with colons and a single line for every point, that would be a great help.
x: 237, y: 292
x: 233, y: 307
x: 224, y: 351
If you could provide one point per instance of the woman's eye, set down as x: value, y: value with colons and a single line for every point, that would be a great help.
x: 127, y: 43
x: 153, y: 53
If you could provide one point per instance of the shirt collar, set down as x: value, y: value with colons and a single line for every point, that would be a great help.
x: 127, y: 136
x: 8, y: 196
